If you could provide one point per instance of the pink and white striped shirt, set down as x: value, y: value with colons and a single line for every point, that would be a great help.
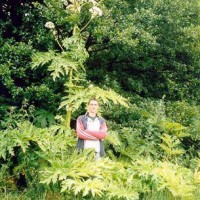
x: 92, y: 132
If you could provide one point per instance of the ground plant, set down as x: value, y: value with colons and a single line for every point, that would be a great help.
x: 140, y: 59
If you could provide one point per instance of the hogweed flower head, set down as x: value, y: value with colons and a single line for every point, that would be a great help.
x: 90, y: 86
x: 96, y: 11
x: 65, y: 3
x: 50, y: 25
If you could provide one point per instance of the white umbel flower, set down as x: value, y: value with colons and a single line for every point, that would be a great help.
x: 66, y: 3
x: 90, y: 86
x: 96, y: 11
x: 50, y: 25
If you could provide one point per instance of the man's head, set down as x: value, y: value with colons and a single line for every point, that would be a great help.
x: 93, y: 106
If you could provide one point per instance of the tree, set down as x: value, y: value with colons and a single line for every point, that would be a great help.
x: 149, y: 48
x: 69, y: 61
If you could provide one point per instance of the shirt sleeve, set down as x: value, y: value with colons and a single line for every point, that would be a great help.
x: 88, y: 134
x: 101, y: 134
x: 82, y: 133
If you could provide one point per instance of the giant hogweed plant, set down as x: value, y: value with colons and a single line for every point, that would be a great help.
x: 50, y: 151
x: 181, y: 182
x: 22, y: 151
x: 68, y: 62
x: 79, y: 175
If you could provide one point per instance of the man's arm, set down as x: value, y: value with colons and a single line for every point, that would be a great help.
x: 88, y: 134
x: 101, y: 134
x: 82, y: 133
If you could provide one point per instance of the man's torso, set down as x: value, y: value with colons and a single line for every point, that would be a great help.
x: 93, y: 125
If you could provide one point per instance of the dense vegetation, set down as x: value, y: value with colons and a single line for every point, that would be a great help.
x: 140, y: 58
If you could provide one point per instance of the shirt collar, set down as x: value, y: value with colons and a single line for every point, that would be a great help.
x: 87, y: 114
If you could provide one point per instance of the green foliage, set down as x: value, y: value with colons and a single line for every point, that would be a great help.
x: 19, y: 82
x: 80, y: 174
x: 43, y: 118
x: 188, y: 115
x: 148, y: 49
x: 170, y: 145
x: 183, y: 112
x: 49, y: 155
x: 27, y: 142
x: 72, y: 58
x: 177, y: 179
x: 139, y: 45
x: 60, y: 63
x: 174, y: 129
x: 82, y: 95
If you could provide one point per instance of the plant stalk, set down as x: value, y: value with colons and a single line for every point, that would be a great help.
x: 69, y: 110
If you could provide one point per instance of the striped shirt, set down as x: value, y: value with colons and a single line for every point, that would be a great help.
x: 91, y: 132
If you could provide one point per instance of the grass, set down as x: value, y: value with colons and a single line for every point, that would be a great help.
x: 42, y: 194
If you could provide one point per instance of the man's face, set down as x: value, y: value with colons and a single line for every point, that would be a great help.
x: 93, y: 106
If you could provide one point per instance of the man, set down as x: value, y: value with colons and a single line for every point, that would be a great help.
x: 91, y: 130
